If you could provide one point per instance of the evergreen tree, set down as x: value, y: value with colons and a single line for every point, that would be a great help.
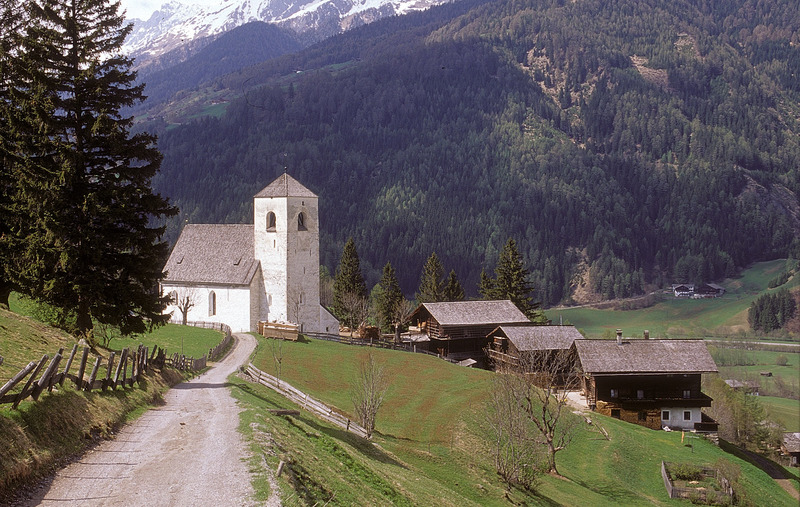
x: 390, y: 296
x: 511, y: 282
x: 349, y: 287
x: 90, y: 248
x: 430, y: 284
x: 486, y: 286
x: 453, y: 291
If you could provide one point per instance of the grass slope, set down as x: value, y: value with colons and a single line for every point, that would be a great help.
x: 671, y: 317
x: 429, y: 449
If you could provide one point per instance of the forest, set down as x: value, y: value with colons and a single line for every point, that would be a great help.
x: 622, y: 144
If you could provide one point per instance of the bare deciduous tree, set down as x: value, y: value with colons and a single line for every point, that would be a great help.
x: 536, y: 390
x: 357, y: 308
x: 368, y: 392
x: 185, y: 301
x: 401, y: 316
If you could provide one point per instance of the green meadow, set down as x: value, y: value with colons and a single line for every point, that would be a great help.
x: 671, y: 317
x: 431, y: 448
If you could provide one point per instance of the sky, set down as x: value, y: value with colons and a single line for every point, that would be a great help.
x: 142, y: 9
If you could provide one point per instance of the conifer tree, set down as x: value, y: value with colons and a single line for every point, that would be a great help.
x: 511, y: 282
x: 91, y: 248
x: 430, y: 285
x: 453, y: 291
x: 390, y: 297
x: 349, y: 287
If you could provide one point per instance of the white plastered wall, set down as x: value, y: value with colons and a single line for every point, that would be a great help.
x: 676, y: 417
x: 232, y: 305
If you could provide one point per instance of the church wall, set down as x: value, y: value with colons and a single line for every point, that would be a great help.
x: 303, y: 263
x: 232, y: 305
x: 271, y: 251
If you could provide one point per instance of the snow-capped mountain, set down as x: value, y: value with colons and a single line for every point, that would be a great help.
x: 176, y: 24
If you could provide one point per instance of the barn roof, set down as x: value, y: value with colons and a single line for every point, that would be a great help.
x: 473, y: 313
x: 285, y: 186
x: 213, y: 254
x: 644, y: 356
x: 533, y: 337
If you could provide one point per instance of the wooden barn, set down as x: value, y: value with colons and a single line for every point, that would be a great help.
x: 460, y: 330
x: 512, y: 346
x: 654, y: 383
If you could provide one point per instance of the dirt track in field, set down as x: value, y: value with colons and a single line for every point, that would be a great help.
x: 186, y: 452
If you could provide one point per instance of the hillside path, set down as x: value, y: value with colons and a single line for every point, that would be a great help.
x: 186, y: 452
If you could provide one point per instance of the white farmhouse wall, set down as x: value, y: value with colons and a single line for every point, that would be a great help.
x: 676, y: 420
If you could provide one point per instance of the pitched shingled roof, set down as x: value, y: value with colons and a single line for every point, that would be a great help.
x: 644, y: 356
x: 534, y: 337
x: 285, y: 186
x: 466, y: 313
x: 213, y: 254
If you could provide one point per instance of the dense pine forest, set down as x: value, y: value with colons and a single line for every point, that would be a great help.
x: 620, y: 143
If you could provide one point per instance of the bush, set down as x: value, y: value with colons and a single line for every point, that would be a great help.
x: 686, y: 472
x: 781, y: 360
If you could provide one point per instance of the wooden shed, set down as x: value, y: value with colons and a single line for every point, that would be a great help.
x: 460, y: 330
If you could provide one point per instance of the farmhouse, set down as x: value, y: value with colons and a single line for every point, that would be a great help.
x: 511, y: 347
x: 243, y: 274
x: 654, y: 383
x: 460, y: 329
x: 791, y: 447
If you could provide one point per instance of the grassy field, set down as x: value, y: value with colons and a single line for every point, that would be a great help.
x: 783, y: 411
x: 672, y: 317
x: 429, y: 448
x: 186, y: 340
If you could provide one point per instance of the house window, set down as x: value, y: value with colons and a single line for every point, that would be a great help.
x: 687, y: 415
x: 687, y: 393
x: 271, y: 222
x: 301, y: 222
x: 212, y: 303
x: 615, y: 413
x: 615, y: 393
x: 643, y: 415
x: 640, y: 394
x: 665, y: 415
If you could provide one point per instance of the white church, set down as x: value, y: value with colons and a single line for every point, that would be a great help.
x: 242, y: 274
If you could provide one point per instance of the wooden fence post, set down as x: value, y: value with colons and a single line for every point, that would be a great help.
x: 44, y: 380
x: 107, y: 380
x: 69, y: 363
x: 28, y: 383
x: 119, y: 367
x: 82, y: 368
x: 19, y: 376
x: 90, y: 385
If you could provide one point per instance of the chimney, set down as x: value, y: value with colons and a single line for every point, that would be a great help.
x: 619, y: 336
x: 646, y: 334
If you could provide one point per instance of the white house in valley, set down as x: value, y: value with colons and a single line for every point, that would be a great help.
x: 242, y: 274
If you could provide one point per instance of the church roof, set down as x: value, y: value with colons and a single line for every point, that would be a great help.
x: 285, y: 186
x: 213, y: 254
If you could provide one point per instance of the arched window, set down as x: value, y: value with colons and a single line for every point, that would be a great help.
x: 173, y: 297
x: 271, y: 221
x: 212, y: 304
x: 301, y: 222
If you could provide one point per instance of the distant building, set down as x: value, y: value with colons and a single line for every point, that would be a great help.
x: 242, y: 274
x: 510, y: 346
x: 683, y: 290
x: 746, y: 386
x: 654, y: 383
x: 791, y: 447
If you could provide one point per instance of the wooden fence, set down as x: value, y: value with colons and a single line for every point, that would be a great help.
x: 128, y: 369
x: 380, y: 343
x: 704, y: 495
x: 305, y: 401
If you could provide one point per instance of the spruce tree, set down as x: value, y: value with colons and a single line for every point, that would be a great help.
x: 390, y: 297
x: 91, y: 249
x: 511, y: 282
x: 453, y: 291
x: 430, y: 284
x: 349, y: 287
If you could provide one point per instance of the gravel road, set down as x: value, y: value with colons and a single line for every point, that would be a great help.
x: 186, y: 452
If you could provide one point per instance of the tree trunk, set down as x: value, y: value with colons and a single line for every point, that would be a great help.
x: 5, y: 292
x: 84, y: 321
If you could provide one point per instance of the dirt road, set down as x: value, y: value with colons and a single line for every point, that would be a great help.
x: 186, y: 452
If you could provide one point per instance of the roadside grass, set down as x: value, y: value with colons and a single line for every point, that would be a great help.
x: 783, y: 411
x: 193, y: 341
x: 672, y: 317
x: 429, y: 448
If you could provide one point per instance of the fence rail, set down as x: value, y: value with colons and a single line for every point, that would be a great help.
x: 130, y: 361
x: 304, y: 400
x: 380, y: 343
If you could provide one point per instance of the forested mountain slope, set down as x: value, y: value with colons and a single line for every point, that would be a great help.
x: 619, y: 142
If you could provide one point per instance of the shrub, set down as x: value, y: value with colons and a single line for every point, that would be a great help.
x: 781, y: 360
x: 686, y: 472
